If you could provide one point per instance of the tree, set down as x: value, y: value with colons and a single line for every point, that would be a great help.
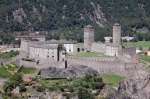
x: 135, y: 39
x: 149, y: 49
x: 40, y: 88
x: 61, y: 47
x: 140, y: 48
x: 16, y: 79
x: 22, y: 88
x: 84, y: 94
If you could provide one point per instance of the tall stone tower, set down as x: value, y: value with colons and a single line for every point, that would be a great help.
x: 117, y: 34
x: 88, y: 37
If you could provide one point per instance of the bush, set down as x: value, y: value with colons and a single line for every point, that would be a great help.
x: 40, y: 89
x: 28, y: 59
x: 22, y: 88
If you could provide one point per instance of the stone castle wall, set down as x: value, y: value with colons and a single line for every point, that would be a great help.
x: 103, y: 65
x: 98, y: 47
x: 129, y: 50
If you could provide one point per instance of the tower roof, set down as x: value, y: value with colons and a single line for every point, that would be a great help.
x: 88, y: 26
x: 116, y: 24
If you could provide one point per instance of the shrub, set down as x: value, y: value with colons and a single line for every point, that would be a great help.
x: 22, y: 88
x: 40, y: 89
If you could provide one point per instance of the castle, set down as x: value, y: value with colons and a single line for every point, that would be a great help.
x: 111, y: 49
x: 123, y: 58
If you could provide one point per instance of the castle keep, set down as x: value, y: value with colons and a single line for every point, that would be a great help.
x: 88, y: 37
x: 117, y: 34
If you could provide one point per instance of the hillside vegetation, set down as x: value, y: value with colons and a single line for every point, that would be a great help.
x: 70, y: 16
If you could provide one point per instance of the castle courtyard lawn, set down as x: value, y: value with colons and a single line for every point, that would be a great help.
x: 112, y: 80
x: 86, y: 54
x: 145, y: 44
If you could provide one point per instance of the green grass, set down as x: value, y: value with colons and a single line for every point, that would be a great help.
x: 111, y: 80
x: 29, y: 70
x: 145, y: 44
x: 144, y: 57
x: 7, y: 70
x: 148, y: 67
x: 86, y: 54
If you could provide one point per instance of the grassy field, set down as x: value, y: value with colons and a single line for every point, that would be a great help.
x: 111, y: 80
x: 86, y: 54
x: 29, y: 70
x: 145, y: 44
x: 144, y: 57
x: 7, y: 70
x: 148, y: 67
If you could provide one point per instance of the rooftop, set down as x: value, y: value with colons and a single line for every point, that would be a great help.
x: 88, y: 26
x: 116, y: 24
x: 45, y: 46
x: 55, y: 42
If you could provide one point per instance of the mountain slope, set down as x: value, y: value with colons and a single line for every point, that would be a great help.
x: 47, y: 15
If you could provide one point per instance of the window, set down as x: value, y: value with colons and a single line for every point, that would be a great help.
x: 53, y: 56
x: 47, y: 55
x: 52, y: 52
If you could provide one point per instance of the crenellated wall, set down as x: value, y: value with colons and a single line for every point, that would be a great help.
x: 102, y: 65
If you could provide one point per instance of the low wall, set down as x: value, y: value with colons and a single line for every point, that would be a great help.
x: 42, y: 65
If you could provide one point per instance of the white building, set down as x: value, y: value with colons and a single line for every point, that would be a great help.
x: 112, y: 49
x: 46, y: 49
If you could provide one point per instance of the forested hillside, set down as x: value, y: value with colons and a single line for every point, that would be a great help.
x: 68, y: 17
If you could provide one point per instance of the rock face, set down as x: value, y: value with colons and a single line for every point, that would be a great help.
x: 73, y: 71
x: 136, y: 87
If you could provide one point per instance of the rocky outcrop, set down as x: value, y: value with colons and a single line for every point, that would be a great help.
x: 19, y: 15
x: 73, y: 71
x: 98, y: 15
x: 136, y: 87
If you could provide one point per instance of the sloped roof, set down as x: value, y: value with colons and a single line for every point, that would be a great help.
x: 88, y: 26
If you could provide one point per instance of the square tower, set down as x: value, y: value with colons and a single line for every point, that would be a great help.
x: 88, y: 37
x: 117, y: 34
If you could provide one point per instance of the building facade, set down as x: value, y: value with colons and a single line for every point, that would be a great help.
x: 46, y: 49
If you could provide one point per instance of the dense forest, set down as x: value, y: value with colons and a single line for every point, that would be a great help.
x: 68, y: 17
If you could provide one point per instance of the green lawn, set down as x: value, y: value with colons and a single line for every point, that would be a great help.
x: 86, y: 54
x: 144, y: 57
x: 145, y: 44
x: 111, y: 80
x: 29, y: 70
